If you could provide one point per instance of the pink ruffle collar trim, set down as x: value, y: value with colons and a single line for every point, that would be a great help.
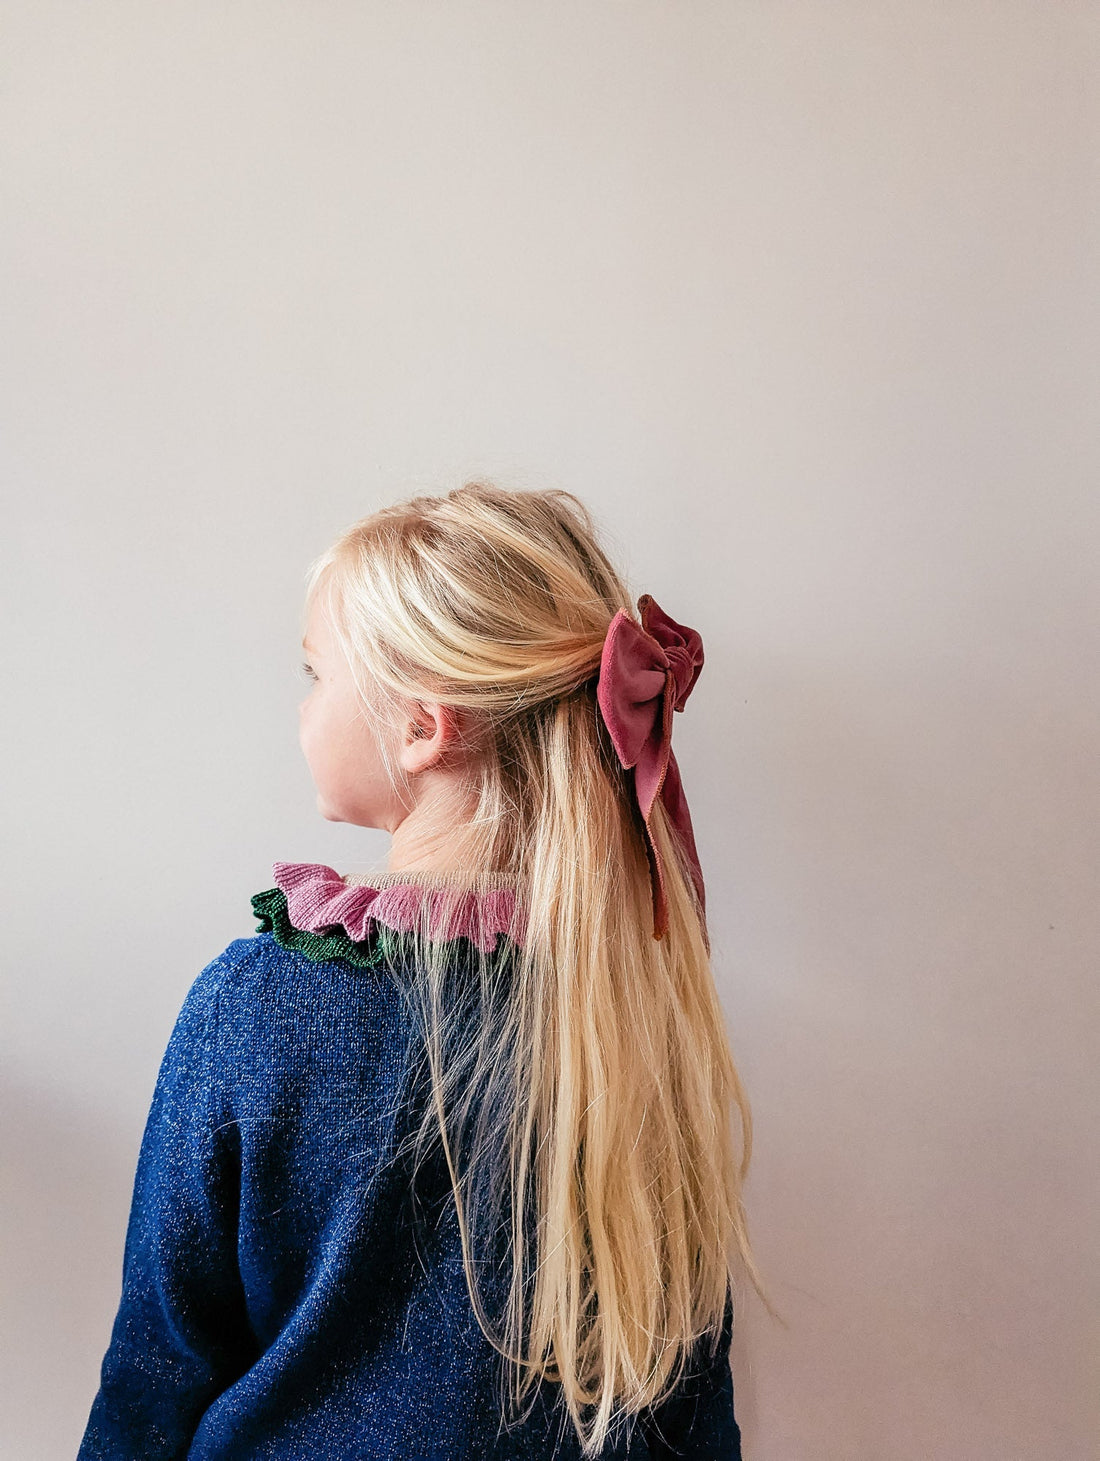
x: 319, y: 898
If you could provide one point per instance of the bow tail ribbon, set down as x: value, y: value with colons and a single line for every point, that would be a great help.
x: 658, y: 776
x: 676, y: 808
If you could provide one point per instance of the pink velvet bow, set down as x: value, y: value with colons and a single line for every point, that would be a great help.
x: 646, y: 672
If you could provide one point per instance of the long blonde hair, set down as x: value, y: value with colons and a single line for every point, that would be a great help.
x: 586, y: 1111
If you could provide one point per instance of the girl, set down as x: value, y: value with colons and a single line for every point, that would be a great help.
x: 440, y: 1162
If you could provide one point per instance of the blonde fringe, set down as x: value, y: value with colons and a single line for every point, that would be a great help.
x: 589, y: 1115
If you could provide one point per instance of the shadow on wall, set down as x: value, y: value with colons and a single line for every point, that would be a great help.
x: 69, y: 1179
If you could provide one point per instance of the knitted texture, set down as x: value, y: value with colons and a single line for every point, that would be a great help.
x: 288, y: 1290
x: 318, y: 898
x: 271, y: 910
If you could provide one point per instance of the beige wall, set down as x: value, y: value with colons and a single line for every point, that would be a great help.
x: 802, y: 298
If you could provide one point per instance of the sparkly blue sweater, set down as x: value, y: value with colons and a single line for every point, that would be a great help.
x: 283, y: 1295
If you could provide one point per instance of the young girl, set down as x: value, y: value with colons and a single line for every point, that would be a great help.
x: 440, y: 1162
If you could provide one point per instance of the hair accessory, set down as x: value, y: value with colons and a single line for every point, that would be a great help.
x: 646, y: 672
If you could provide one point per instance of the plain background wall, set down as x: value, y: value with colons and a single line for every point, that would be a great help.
x: 802, y: 300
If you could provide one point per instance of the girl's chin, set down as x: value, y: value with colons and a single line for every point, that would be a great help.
x: 335, y: 811
x: 333, y: 808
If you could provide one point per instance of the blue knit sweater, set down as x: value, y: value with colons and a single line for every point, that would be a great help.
x: 283, y: 1297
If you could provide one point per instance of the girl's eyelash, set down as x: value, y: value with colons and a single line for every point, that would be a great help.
x: 309, y: 671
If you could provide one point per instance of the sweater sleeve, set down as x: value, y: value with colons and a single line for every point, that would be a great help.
x: 181, y: 1334
x: 697, y: 1422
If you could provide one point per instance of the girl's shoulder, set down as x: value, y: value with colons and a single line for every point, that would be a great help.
x: 323, y: 936
x: 334, y: 954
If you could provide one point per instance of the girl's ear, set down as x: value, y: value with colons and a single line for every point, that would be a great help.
x: 430, y: 733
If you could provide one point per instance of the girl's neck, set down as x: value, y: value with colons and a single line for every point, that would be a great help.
x: 420, y: 844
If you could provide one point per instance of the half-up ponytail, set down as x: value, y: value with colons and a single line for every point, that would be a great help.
x: 587, y: 1110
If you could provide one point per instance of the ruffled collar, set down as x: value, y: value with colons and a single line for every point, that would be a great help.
x: 339, y: 915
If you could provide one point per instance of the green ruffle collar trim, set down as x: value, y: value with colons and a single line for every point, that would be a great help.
x: 381, y: 944
x: 270, y: 909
